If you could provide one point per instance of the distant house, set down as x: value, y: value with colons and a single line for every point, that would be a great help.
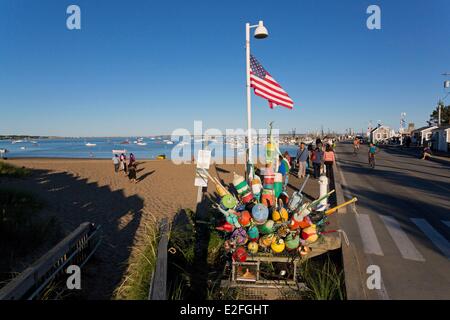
x: 422, y: 135
x: 380, y: 133
x: 440, y: 138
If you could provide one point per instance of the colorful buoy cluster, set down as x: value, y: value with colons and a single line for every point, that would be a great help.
x: 263, y: 218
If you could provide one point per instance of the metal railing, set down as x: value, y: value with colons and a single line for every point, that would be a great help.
x: 75, y: 249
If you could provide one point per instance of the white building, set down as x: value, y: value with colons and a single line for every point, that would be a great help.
x: 380, y: 133
x: 441, y: 138
x: 422, y: 135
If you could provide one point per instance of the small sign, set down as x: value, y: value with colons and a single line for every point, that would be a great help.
x: 203, y: 159
x: 201, y: 179
x: 447, y: 84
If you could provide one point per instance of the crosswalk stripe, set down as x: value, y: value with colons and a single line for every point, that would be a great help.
x: 368, y: 236
x: 435, y: 237
x: 404, y: 244
x: 446, y: 222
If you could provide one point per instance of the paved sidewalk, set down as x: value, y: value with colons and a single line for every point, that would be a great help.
x: 440, y: 157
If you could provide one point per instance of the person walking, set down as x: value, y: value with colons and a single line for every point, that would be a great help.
x: 125, y: 170
x: 132, y: 160
x: 317, y: 158
x: 302, y: 157
x: 121, y: 167
x: 328, y: 158
x: 319, y: 144
x: 116, y: 163
x: 309, y: 160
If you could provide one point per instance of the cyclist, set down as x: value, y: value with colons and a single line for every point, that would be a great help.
x: 372, y: 150
x: 356, y: 143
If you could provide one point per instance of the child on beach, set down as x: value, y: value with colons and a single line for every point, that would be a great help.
x: 132, y: 173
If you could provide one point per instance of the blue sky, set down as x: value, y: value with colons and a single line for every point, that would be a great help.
x: 147, y: 67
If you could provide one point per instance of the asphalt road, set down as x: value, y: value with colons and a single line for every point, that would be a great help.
x: 401, y: 222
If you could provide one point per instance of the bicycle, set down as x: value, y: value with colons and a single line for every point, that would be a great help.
x: 372, y: 160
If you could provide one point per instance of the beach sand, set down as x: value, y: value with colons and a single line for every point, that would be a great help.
x: 80, y: 190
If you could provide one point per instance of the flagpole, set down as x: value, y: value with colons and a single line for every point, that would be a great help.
x: 249, y: 102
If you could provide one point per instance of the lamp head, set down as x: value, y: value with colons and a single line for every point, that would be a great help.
x: 261, y: 31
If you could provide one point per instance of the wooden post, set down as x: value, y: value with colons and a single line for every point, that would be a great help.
x: 158, y: 288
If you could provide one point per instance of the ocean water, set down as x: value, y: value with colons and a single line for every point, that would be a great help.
x: 77, y: 148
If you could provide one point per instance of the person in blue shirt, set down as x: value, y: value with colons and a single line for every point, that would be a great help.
x: 372, y: 150
x: 301, y: 158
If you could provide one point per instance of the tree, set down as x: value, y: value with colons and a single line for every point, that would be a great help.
x: 445, y: 115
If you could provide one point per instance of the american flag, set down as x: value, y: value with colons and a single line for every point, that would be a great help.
x: 266, y: 87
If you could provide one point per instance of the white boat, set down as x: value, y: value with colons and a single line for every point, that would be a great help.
x: 183, y: 143
x: 16, y: 141
x: 22, y: 148
x: 90, y: 144
x: 169, y: 142
x: 141, y: 143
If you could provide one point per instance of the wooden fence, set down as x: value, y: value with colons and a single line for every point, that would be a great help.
x: 158, y: 285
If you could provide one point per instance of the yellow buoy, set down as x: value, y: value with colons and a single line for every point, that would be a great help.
x: 253, y: 247
x: 276, y: 216
x: 278, y: 246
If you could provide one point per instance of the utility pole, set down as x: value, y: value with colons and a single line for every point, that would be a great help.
x: 439, y: 113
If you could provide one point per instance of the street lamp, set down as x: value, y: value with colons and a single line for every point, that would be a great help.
x: 260, y: 33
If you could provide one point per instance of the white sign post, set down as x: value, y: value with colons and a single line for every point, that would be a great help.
x: 201, y: 179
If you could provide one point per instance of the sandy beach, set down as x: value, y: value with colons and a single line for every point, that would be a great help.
x: 77, y: 190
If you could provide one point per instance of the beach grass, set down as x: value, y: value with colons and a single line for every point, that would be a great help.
x: 136, y: 283
x: 9, y: 170
x: 323, y: 280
